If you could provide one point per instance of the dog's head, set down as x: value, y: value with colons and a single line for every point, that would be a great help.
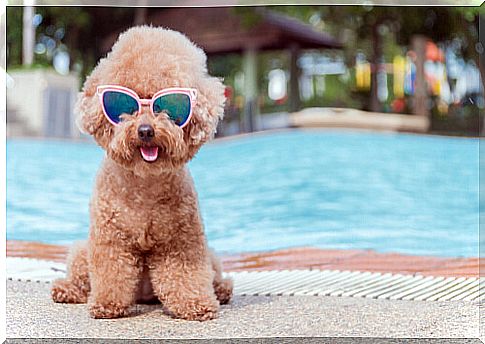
x: 147, y: 60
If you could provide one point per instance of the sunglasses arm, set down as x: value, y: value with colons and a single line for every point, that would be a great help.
x: 193, y: 93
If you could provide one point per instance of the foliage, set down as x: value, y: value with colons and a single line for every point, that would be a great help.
x: 75, y: 29
x: 14, y: 36
x: 225, y: 67
x: 248, y: 16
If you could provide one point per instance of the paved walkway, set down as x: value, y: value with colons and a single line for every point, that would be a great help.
x: 32, y: 314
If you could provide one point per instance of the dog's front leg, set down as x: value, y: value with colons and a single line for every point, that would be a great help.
x: 182, y: 281
x: 114, y: 273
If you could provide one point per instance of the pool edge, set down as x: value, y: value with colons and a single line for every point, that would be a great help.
x: 299, y: 258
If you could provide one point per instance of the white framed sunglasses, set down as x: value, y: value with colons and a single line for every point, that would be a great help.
x: 176, y: 102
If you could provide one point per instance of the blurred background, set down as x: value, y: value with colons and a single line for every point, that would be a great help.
x: 344, y: 82
x: 275, y: 61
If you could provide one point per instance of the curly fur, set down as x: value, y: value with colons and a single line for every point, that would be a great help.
x: 146, y: 236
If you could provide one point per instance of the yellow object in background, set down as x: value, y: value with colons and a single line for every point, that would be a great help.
x: 239, y: 102
x: 436, y: 87
x: 442, y: 107
x: 399, y: 73
x: 362, y: 76
x: 441, y: 79
x: 367, y: 76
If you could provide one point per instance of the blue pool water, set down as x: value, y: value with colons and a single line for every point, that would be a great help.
x: 345, y: 190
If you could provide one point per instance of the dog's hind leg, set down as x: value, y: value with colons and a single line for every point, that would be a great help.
x: 75, y: 287
x: 222, y: 286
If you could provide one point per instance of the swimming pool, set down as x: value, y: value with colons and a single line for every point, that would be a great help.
x: 331, y: 189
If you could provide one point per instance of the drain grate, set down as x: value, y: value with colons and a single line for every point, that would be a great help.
x: 357, y: 284
x: 306, y: 282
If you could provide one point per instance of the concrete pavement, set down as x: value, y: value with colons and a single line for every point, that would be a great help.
x: 32, y: 314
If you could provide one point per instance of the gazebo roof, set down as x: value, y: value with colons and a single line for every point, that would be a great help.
x: 220, y: 30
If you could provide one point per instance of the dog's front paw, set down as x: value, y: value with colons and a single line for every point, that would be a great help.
x: 195, y: 309
x: 64, y: 291
x: 223, y: 290
x: 107, y: 311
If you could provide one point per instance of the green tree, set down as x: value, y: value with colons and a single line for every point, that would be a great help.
x: 76, y: 29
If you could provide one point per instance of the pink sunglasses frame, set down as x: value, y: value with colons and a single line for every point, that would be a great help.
x: 191, y: 92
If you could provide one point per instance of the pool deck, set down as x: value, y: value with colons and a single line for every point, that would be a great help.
x: 300, y: 258
x: 248, y: 319
x: 32, y: 314
x: 358, y: 119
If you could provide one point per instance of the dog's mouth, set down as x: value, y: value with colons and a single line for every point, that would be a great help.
x: 149, y: 153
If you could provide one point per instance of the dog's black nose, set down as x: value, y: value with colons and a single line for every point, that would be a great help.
x: 146, y: 132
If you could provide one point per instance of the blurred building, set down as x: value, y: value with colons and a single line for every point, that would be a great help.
x: 40, y: 103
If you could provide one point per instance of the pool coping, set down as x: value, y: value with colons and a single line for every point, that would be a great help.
x: 300, y: 258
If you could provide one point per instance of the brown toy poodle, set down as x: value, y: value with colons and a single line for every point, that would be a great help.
x: 150, y: 104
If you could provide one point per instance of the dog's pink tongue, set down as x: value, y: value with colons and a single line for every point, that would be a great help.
x: 149, y: 153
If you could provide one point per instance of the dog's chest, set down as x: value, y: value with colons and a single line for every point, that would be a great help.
x: 144, y: 213
x: 148, y: 223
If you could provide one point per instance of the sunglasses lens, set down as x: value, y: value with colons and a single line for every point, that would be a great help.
x: 175, y: 105
x: 118, y: 103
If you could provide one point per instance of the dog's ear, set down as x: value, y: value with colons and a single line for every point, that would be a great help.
x: 209, y: 109
x: 87, y: 108
x: 90, y: 119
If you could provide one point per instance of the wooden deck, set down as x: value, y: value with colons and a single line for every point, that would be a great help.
x: 301, y: 258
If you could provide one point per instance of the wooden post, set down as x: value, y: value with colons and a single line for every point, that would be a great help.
x: 251, y: 110
x: 375, y: 104
x: 140, y: 13
x: 294, y: 96
x: 420, y: 99
x: 28, y: 36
